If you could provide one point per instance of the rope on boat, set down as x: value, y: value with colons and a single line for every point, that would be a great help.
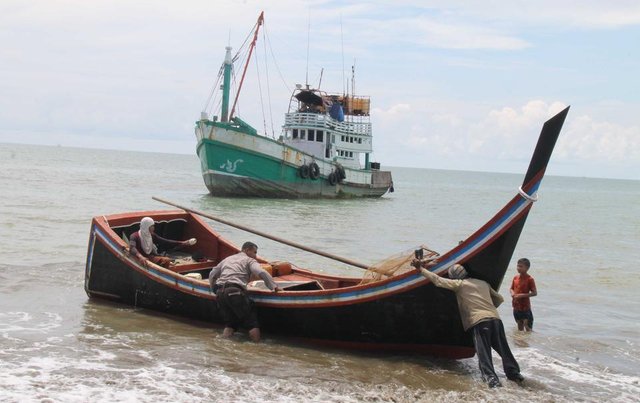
x: 524, y: 194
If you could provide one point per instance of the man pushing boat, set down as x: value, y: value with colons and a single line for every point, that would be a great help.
x: 228, y: 280
x: 477, y: 303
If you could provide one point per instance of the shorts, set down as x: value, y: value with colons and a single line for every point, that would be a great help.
x: 236, y: 308
x: 522, y: 315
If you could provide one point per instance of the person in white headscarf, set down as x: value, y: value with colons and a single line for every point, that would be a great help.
x: 142, y: 244
x: 477, y: 303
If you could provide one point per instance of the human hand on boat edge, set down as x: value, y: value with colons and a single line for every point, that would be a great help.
x: 419, y: 261
x: 422, y: 263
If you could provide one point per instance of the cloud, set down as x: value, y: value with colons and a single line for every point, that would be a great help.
x: 558, y: 14
x: 506, y: 132
x: 436, y: 34
x: 503, y: 138
x: 587, y: 139
x: 433, y: 32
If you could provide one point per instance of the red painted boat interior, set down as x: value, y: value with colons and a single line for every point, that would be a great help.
x: 210, y: 246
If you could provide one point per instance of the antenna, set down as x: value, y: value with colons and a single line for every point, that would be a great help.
x: 320, y: 81
x: 342, y: 44
x: 306, y: 80
x: 353, y: 77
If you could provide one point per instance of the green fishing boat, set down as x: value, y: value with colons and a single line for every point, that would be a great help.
x: 323, y: 152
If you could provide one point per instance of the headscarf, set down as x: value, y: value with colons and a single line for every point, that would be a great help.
x: 457, y: 271
x: 145, y: 236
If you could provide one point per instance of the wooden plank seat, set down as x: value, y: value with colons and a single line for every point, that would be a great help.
x: 186, y: 267
x: 294, y: 277
x: 288, y: 283
x: 184, y: 263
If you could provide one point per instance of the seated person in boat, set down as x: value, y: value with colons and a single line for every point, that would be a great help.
x: 228, y: 279
x: 477, y: 303
x: 142, y: 244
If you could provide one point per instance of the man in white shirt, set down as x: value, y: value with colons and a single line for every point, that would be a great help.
x: 228, y: 279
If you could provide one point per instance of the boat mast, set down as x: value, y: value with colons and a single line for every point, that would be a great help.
x: 253, y: 45
x: 228, y: 64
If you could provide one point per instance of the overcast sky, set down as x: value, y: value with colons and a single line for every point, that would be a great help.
x: 454, y: 84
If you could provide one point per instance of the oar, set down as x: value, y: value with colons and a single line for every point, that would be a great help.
x: 263, y: 234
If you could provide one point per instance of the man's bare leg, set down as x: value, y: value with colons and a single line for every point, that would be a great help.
x: 227, y: 332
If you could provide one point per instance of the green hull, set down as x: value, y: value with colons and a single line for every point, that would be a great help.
x: 237, y: 162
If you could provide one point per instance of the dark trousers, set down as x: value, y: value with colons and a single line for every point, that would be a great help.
x: 236, y: 308
x: 490, y: 334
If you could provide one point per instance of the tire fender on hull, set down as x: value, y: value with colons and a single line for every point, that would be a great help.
x: 314, y: 171
x: 304, y: 171
x: 332, y: 178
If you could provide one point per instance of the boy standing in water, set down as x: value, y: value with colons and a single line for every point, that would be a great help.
x: 523, y: 287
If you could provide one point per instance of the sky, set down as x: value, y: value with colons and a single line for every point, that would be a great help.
x: 462, y: 85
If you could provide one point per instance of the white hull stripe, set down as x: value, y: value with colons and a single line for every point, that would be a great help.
x: 213, y: 172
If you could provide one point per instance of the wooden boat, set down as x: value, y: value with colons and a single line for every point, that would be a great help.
x: 401, y: 313
x: 323, y: 152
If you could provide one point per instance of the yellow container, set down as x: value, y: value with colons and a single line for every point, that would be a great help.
x: 267, y: 267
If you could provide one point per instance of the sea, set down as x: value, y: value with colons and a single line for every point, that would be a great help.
x: 57, y: 345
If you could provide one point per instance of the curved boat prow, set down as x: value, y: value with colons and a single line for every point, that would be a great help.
x: 544, y: 148
x: 487, y: 252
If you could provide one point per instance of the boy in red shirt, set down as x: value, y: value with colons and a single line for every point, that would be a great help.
x: 523, y: 287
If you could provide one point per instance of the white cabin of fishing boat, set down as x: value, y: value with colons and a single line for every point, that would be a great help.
x: 330, y: 126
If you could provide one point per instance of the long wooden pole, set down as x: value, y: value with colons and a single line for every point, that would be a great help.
x: 263, y: 234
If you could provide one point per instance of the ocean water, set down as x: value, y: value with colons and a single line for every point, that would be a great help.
x: 56, y: 345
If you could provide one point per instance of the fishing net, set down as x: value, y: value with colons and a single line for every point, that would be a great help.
x: 397, y: 264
